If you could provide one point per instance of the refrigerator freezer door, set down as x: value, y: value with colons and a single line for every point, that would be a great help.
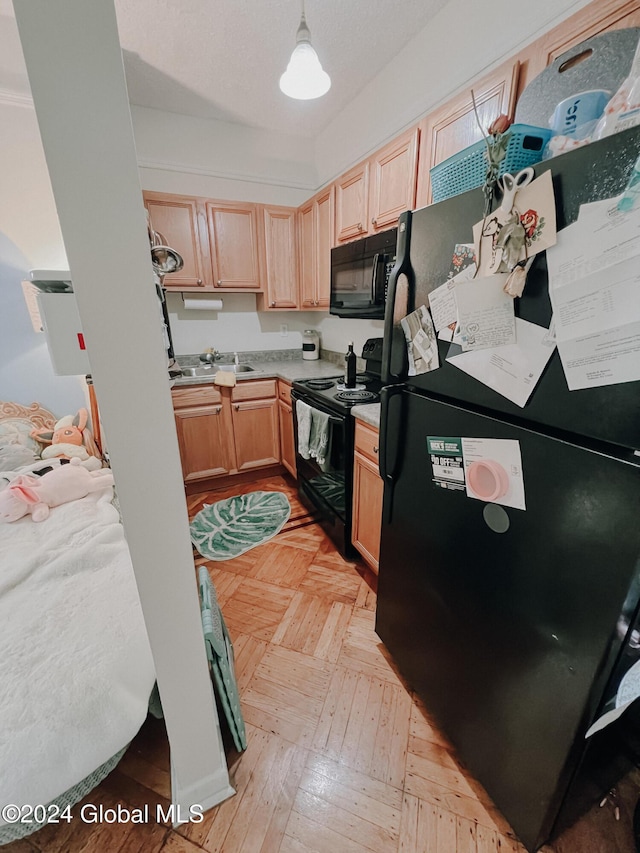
x: 610, y: 414
x: 504, y: 620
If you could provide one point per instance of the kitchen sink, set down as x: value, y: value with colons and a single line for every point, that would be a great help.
x: 210, y: 369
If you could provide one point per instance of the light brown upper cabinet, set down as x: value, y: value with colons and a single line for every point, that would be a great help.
x: 181, y: 221
x: 315, y: 235
x: 596, y: 18
x: 233, y: 236
x: 352, y: 203
x: 281, y: 267
x: 393, y: 180
x: 453, y: 126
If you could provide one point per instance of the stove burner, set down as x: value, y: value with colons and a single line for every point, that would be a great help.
x: 356, y: 396
x: 319, y: 384
x: 342, y: 387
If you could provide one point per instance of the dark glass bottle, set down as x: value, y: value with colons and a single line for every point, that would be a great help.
x: 350, y: 368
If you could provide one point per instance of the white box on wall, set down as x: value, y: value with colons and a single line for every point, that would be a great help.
x: 63, y: 331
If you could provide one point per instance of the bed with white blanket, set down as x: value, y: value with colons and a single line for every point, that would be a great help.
x: 76, y: 668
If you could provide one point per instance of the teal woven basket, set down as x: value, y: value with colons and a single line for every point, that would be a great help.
x: 467, y: 169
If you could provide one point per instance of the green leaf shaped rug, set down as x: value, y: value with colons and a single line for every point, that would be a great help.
x: 231, y: 527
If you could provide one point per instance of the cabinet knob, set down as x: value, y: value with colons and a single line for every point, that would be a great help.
x: 360, y: 228
x: 218, y: 410
x: 273, y: 304
x: 374, y: 221
x: 219, y: 282
x: 375, y: 449
x: 237, y: 407
x: 199, y: 281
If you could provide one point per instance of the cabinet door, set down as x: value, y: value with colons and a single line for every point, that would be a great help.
x: 393, y: 180
x: 180, y: 220
x: 368, y: 490
x: 255, y: 431
x: 453, y: 127
x: 280, y: 257
x: 352, y: 203
x: 287, y: 441
x: 306, y: 237
x: 204, y: 439
x: 233, y: 235
x: 590, y: 21
x: 324, y: 227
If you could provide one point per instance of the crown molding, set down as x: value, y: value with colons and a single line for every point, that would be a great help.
x: 14, y: 99
x: 168, y: 166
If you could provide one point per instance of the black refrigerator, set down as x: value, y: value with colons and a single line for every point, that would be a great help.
x: 512, y: 625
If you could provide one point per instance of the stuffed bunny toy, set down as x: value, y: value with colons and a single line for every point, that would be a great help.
x: 36, y: 495
x: 70, y: 438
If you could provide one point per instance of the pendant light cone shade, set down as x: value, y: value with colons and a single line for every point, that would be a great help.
x: 304, y: 78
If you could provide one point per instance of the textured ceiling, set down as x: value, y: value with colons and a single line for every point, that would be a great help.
x: 222, y: 59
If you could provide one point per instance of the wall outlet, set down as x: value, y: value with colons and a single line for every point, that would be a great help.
x: 284, y: 330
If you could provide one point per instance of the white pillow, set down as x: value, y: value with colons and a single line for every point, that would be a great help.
x: 16, y: 431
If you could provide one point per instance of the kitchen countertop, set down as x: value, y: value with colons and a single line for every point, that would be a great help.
x: 288, y: 369
x: 369, y: 414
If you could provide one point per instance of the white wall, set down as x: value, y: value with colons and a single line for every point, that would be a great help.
x: 240, y: 328
x: 464, y: 41
x: 219, y: 159
x: 30, y: 237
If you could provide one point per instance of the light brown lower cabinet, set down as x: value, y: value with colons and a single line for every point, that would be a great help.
x: 368, y: 490
x: 287, y: 436
x: 227, y: 430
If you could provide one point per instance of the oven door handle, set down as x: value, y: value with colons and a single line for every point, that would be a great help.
x: 332, y: 418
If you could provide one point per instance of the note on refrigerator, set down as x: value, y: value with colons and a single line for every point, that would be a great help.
x: 485, y: 313
x: 594, y: 281
x: 442, y: 300
x: 513, y: 370
x: 628, y: 691
x: 422, y: 344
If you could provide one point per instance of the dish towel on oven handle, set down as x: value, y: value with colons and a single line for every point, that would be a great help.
x: 303, y: 414
x: 319, y: 437
x: 313, y: 434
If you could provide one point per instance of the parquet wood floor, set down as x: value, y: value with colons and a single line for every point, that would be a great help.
x: 342, y: 756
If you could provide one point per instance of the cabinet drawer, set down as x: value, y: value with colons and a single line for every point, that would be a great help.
x: 284, y: 391
x: 195, y: 395
x: 253, y: 389
x: 367, y: 441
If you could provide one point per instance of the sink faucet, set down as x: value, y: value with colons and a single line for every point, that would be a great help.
x: 235, y: 358
x: 209, y: 356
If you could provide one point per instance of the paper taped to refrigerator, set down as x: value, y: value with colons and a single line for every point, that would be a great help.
x: 442, y: 300
x: 485, y: 313
x: 493, y: 471
x: 447, y: 463
x: 628, y: 692
x: 422, y: 345
x: 513, y: 371
x: 594, y: 281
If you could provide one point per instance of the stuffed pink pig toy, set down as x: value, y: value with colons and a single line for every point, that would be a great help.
x: 36, y: 495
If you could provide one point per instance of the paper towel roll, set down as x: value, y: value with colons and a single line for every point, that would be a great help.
x: 202, y: 304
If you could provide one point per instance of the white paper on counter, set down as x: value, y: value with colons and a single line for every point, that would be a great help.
x: 601, y: 237
x: 628, y: 692
x: 513, y: 370
x: 442, y: 300
x: 485, y: 313
x: 505, y: 451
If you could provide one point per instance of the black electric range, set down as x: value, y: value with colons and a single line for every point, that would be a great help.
x: 327, y: 488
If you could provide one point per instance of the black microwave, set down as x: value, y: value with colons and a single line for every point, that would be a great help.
x: 360, y: 275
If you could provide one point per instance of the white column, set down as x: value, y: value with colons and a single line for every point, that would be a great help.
x: 74, y: 62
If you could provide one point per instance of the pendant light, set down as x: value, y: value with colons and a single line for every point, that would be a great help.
x: 304, y: 78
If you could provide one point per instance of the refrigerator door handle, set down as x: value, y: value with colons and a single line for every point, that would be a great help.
x: 390, y: 429
x: 392, y: 334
